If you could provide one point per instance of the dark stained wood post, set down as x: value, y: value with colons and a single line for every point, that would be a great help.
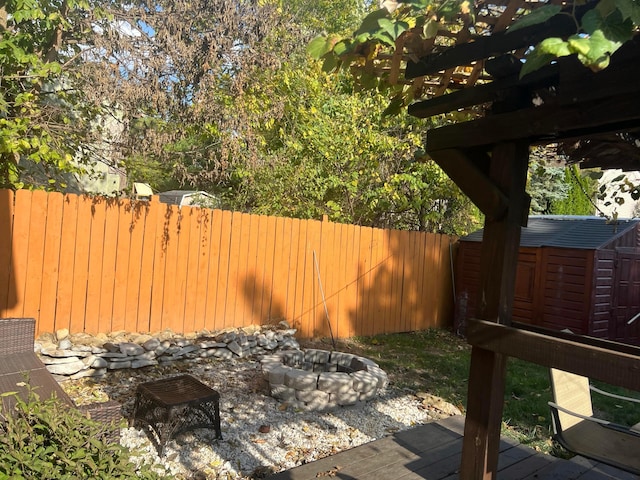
x: 498, y: 263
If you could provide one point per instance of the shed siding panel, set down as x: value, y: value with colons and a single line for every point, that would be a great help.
x: 566, y: 283
x: 603, y: 293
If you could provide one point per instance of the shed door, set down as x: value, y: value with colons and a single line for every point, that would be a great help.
x: 627, y: 297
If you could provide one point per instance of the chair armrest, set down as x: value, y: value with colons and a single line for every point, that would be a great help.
x: 605, y: 423
x: 557, y: 407
x: 613, y: 395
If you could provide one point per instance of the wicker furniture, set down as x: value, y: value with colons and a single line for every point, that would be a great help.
x: 169, y: 406
x: 20, y: 365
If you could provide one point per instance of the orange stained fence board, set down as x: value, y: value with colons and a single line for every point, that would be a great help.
x: 109, y: 256
x: 233, y: 297
x: 66, y: 265
x: 421, y: 293
x: 121, y: 280
x: 340, y: 320
x: 81, y: 265
x: 203, y: 219
x: 35, y: 259
x: 245, y: 280
x: 291, y: 265
x: 353, y: 272
x: 6, y: 250
x: 314, y: 313
x: 20, y: 252
x: 96, y: 258
x: 281, y: 268
x: 377, y: 302
x: 213, y: 290
x: 51, y: 259
x: 170, y: 302
x: 268, y: 278
x: 135, y: 267
x: 300, y: 262
x: 364, y: 259
x: 251, y: 272
x: 325, y: 260
x: 223, y: 268
x: 147, y: 266
x: 184, y: 251
x: 156, y: 219
x: 259, y: 312
x: 398, y: 272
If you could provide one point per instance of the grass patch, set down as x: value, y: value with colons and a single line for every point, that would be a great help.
x: 437, y: 362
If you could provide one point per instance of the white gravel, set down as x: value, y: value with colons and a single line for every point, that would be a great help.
x: 294, y: 437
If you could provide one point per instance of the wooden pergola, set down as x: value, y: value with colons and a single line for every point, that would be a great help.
x: 592, y: 117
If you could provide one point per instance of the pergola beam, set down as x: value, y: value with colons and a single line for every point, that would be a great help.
x: 621, y: 368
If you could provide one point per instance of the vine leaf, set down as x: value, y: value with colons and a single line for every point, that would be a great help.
x: 536, y: 17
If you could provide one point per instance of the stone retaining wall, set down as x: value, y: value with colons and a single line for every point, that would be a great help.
x: 318, y: 379
x: 81, y: 355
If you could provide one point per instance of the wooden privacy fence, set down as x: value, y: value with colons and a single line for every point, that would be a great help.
x: 95, y: 264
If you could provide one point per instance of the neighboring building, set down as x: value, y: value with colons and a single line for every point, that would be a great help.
x: 194, y: 198
x: 576, y: 273
x: 142, y: 191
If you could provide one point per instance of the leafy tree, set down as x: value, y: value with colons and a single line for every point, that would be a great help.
x: 330, y: 152
x: 580, y: 195
x: 44, y: 121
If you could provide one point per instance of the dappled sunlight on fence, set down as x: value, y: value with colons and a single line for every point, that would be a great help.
x: 95, y: 264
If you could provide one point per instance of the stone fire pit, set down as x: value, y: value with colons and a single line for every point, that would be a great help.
x: 319, y: 379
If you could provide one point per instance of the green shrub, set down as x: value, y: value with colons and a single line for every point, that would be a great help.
x: 49, y: 440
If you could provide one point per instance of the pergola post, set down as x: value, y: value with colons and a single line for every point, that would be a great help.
x: 498, y: 263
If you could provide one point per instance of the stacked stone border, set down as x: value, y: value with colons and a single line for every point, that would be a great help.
x: 319, y: 379
x: 70, y: 357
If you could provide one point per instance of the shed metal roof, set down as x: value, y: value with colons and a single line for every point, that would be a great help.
x: 567, y: 232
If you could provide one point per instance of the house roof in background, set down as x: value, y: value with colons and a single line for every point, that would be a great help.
x: 567, y: 232
x: 177, y: 197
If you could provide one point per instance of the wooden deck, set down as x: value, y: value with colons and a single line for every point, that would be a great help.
x: 433, y: 452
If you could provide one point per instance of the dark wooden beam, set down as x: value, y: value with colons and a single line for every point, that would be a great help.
x: 543, y: 124
x: 492, y: 45
x: 618, y: 368
x: 501, y: 237
x: 466, y: 171
x: 498, y: 261
x: 495, y: 91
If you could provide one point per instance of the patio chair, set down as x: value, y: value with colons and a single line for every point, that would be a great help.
x: 20, y: 364
x: 579, y: 431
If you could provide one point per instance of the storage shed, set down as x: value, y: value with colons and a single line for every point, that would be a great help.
x: 576, y: 273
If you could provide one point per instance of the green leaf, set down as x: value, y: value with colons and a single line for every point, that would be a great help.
x: 331, y: 62
x: 384, y: 37
x: 392, y: 28
x: 536, y: 60
x: 394, y: 108
x: 342, y: 47
x: 629, y: 9
x: 614, y: 27
x: 579, y: 44
x: 430, y: 29
x: 540, y: 15
x: 370, y: 23
x: 319, y: 46
x: 554, y: 46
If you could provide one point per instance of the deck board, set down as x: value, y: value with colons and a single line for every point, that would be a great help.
x: 433, y: 452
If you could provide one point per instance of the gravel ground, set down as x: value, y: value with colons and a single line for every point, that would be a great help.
x: 260, y: 434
